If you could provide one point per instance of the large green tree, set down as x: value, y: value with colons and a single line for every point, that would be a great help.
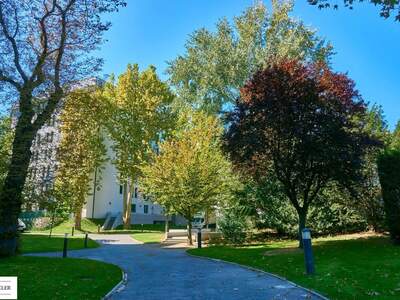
x: 45, y: 49
x: 6, y: 136
x: 367, y: 196
x: 216, y: 65
x: 81, y: 150
x: 395, y: 138
x: 300, y: 122
x: 190, y: 174
x: 139, y: 116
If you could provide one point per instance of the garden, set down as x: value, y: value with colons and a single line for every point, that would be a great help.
x: 252, y: 133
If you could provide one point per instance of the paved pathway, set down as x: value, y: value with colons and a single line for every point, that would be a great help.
x: 156, y: 274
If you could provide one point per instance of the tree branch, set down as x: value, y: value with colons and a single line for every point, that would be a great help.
x: 14, y: 46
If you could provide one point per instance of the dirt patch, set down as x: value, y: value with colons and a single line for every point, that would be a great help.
x: 283, y: 251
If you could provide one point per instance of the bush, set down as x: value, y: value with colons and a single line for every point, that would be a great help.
x: 332, y: 212
x: 389, y: 177
x: 233, y: 227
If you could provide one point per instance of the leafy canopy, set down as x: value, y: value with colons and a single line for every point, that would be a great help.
x: 139, y: 116
x: 217, y: 64
x: 190, y: 174
x: 82, y: 147
x: 300, y: 122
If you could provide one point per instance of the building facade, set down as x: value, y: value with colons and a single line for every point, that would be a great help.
x: 107, y: 198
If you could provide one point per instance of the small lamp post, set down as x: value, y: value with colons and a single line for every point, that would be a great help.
x: 86, y: 240
x: 308, y: 254
x: 65, y: 245
x: 199, y: 237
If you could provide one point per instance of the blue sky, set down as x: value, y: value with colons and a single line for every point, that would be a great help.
x: 367, y: 46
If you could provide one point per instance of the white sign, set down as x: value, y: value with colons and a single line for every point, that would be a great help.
x: 8, y: 287
x: 306, y: 235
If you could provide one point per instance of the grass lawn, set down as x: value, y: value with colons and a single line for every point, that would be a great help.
x: 91, y: 225
x: 31, y: 243
x: 148, y: 236
x: 88, y: 225
x: 356, y: 268
x: 60, y: 278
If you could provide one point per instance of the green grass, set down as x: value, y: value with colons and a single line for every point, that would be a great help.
x: 60, y: 278
x: 33, y: 243
x: 91, y: 226
x: 148, y: 237
x: 345, y: 269
x: 88, y: 225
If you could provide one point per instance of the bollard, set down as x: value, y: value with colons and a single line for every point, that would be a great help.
x: 86, y: 239
x: 308, y: 254
x: 199, y: 238
x: 65, y: 245
x: 73, y: 230
x: 142, y: 227
x: 98, y: 228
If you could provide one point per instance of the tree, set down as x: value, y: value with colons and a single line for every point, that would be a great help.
x: 140, y: 115
x: 395, y: 139
x: 368, y: 195
x: 300, y: 122
x: 45, y: 48
x: 190, y: 174
x: 81, y: 150
x: 388, y: 168
x: 6, y: 136
x: 217, y: 64
x: 386, y: 7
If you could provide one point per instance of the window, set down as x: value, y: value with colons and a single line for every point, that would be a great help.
x: 120, y: 189
x: 146, y: 209
x: 133, y: 209
x: 51, y: 137
x: 136, y: 192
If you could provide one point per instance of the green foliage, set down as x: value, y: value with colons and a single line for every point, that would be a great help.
x: 233, y: 227
x: 395, y: 142
x: 331, y: 213
x: 190, y: 174
x: 81, y: 149
x: 217, y: 64
x: 368, y: 196
x: 389, y: 177
x: 6, y: 137
x: 139, y: 116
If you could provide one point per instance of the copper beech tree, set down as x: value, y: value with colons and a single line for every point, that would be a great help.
x: 45, y: 48
x: 300, y: 123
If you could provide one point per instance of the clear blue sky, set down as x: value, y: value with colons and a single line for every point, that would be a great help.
x: 367, y: 46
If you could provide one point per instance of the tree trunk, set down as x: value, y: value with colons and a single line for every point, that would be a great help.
x: 189, y: 232
x: 11, y: 195
x: 78, y: 219
x: 127, y: 204
x: 302, y: 224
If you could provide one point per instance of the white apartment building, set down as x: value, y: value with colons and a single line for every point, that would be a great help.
x: 103, y: 201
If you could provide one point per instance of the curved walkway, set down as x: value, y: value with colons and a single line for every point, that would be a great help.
x: 155, y: 273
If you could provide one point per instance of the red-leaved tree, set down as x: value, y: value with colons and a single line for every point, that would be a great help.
x: 301, y: 124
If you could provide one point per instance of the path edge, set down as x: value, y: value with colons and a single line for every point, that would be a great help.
x: 118, y: 287
x: 260, y: 271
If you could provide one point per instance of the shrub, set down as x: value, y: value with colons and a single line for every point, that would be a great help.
x: 233, y: 227
x: 389, y: 177
x: 270, y: 209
